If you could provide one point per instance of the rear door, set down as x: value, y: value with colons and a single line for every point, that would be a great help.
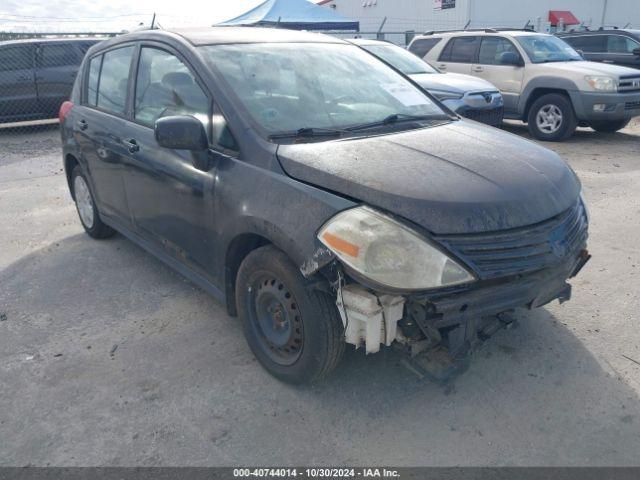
x: 459, y: 54
x: 102, y: 129
x: 18, y: 97
x: 57, y: 64
x: 508, y: 78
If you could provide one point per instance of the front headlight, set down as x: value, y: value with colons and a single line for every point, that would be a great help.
x: 444, y: 95
x: 387, y: 252
x: 603, y: 84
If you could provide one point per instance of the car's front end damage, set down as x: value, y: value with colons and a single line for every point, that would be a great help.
x: 438, y: 327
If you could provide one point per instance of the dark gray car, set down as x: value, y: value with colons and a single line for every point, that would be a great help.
x: 318, y: 193
x: 36, y: 76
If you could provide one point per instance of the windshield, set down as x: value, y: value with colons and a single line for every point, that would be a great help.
x: 401, y: 59
x: 287, y: 87
x: 547, y: 48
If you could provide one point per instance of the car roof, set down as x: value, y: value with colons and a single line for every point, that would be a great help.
x: 482, y: 32
x: 619, y: 31
x: 51, y: 40
x: 367, y: 41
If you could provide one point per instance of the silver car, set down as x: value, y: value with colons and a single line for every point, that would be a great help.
x: 468, y: 96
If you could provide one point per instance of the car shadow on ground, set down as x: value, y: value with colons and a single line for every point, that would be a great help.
x: 583, y: 136
x: 99, y: 333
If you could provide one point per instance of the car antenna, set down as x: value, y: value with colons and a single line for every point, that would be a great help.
x: 153, y: 20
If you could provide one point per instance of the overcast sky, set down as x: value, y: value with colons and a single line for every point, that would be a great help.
x: 114, y: 15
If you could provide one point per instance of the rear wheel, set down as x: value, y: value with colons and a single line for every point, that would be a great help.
x: 86, y: 206
x: 609, y: 127
x: 295, y: 332
x: 551, y: 118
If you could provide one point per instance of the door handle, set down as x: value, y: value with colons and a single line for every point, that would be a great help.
x: 82, y: 124
x: 132, y: 145
x: 477, y: 69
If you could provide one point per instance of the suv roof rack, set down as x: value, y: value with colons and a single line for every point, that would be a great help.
x: 484, y: 30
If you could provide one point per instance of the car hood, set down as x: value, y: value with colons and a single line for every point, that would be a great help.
x: 452, y: 82
x: 460, y: 177
x: 589, y: 68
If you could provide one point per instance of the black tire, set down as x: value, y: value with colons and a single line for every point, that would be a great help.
x: 305, y: 320
x: 96, y: 228
x: 566, y: 125
x: 609, y: 127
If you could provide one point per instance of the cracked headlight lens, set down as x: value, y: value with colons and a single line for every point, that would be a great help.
x: 387, y: 252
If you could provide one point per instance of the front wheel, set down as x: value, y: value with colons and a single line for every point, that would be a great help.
x: 609, y: 127
x: 551, y: 118
x: 294, y: 331
x: 86, y: 206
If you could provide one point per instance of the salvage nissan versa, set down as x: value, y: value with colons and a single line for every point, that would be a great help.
x: 320, y: 194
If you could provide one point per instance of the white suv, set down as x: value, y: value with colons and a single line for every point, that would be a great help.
x: 543, y: 80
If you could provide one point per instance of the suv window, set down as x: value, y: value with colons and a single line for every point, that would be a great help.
x: 222, y: 136
x: 460, y: 50
x: 587, y: 43
x: 92, y: 84
x: 423, y: 46
x: 16, y: 58
x: 114, y: 78
x: 58, y: 55
x: 620, y: 44
x: 165, y: 86
x: 492, y: 48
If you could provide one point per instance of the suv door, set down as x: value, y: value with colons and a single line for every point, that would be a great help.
x: 458, y: 54
x: 490, y: 66
x: 18, y: 97
x: 56, y: 68
x: 593, y: 47
x: 101, y: 128
x: 620, y: 50
x: 170, y: 192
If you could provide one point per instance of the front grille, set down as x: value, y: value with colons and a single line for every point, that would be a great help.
x: 491, y: 116
x: 522, y: 250
x: 629, y: 84
x: 631, y: 105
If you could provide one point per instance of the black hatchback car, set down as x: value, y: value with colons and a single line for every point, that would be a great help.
x: 37, y: 75
x: 617, y: 46
x: 320, y: 194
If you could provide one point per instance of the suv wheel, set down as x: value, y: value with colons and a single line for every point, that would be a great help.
x: 551, y: 118
x: 87, y: 211
x: 295, y: 332
x: 609, y: 127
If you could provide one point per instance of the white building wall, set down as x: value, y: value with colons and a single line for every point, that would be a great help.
x: 420, y: 15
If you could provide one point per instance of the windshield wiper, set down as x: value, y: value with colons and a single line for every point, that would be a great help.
x: 309, y: 132
x: 395, y: 118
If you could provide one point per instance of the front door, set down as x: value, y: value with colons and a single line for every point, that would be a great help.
x: 18, y: 98
x: 490, y: 66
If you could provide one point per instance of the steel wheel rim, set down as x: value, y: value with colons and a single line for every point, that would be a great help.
x: 84, y: 202
x: 549, y: 118
x: 275, y: 318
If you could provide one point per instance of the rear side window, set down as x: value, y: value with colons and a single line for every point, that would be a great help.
x: 58, y: 55
x: 460, y: 50
x: 492, y: 48
x: 620, y: 44
x: 113, y: 80
x: 587, y: 43
x: 92, y: 84
x: 16, y: 58
x: 165, y: 86
x: 423, y: 46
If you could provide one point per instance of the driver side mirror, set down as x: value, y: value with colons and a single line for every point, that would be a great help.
x: 636, y: 52
x: 181, y: 132
x: 510, y: 58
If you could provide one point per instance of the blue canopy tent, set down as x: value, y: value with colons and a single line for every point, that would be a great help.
x: 294, y: 14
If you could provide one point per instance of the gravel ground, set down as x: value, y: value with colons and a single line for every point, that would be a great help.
x: 107, y: 357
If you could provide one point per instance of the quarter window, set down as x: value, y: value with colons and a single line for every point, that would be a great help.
x: 114, y: 78
x: 16, y: 58
x: 492, y: 48
x: 165, y: 86
x: 460, y: 50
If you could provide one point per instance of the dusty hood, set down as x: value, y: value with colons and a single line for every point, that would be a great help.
x: 452, y: 82
x: 589, y: 68
x: 456, y: 178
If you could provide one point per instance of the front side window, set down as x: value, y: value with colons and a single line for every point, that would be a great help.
x: 287, y: 86
x: 16, y: 58
x: 492, y: 48
x: 620, y: 44
x: 58, y: 55
x: 401, y: 59
x: 165, y: 86
x: 547, y: 48
x: 588, y: 43
x: 460, y: 50
x: 114, y: 80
